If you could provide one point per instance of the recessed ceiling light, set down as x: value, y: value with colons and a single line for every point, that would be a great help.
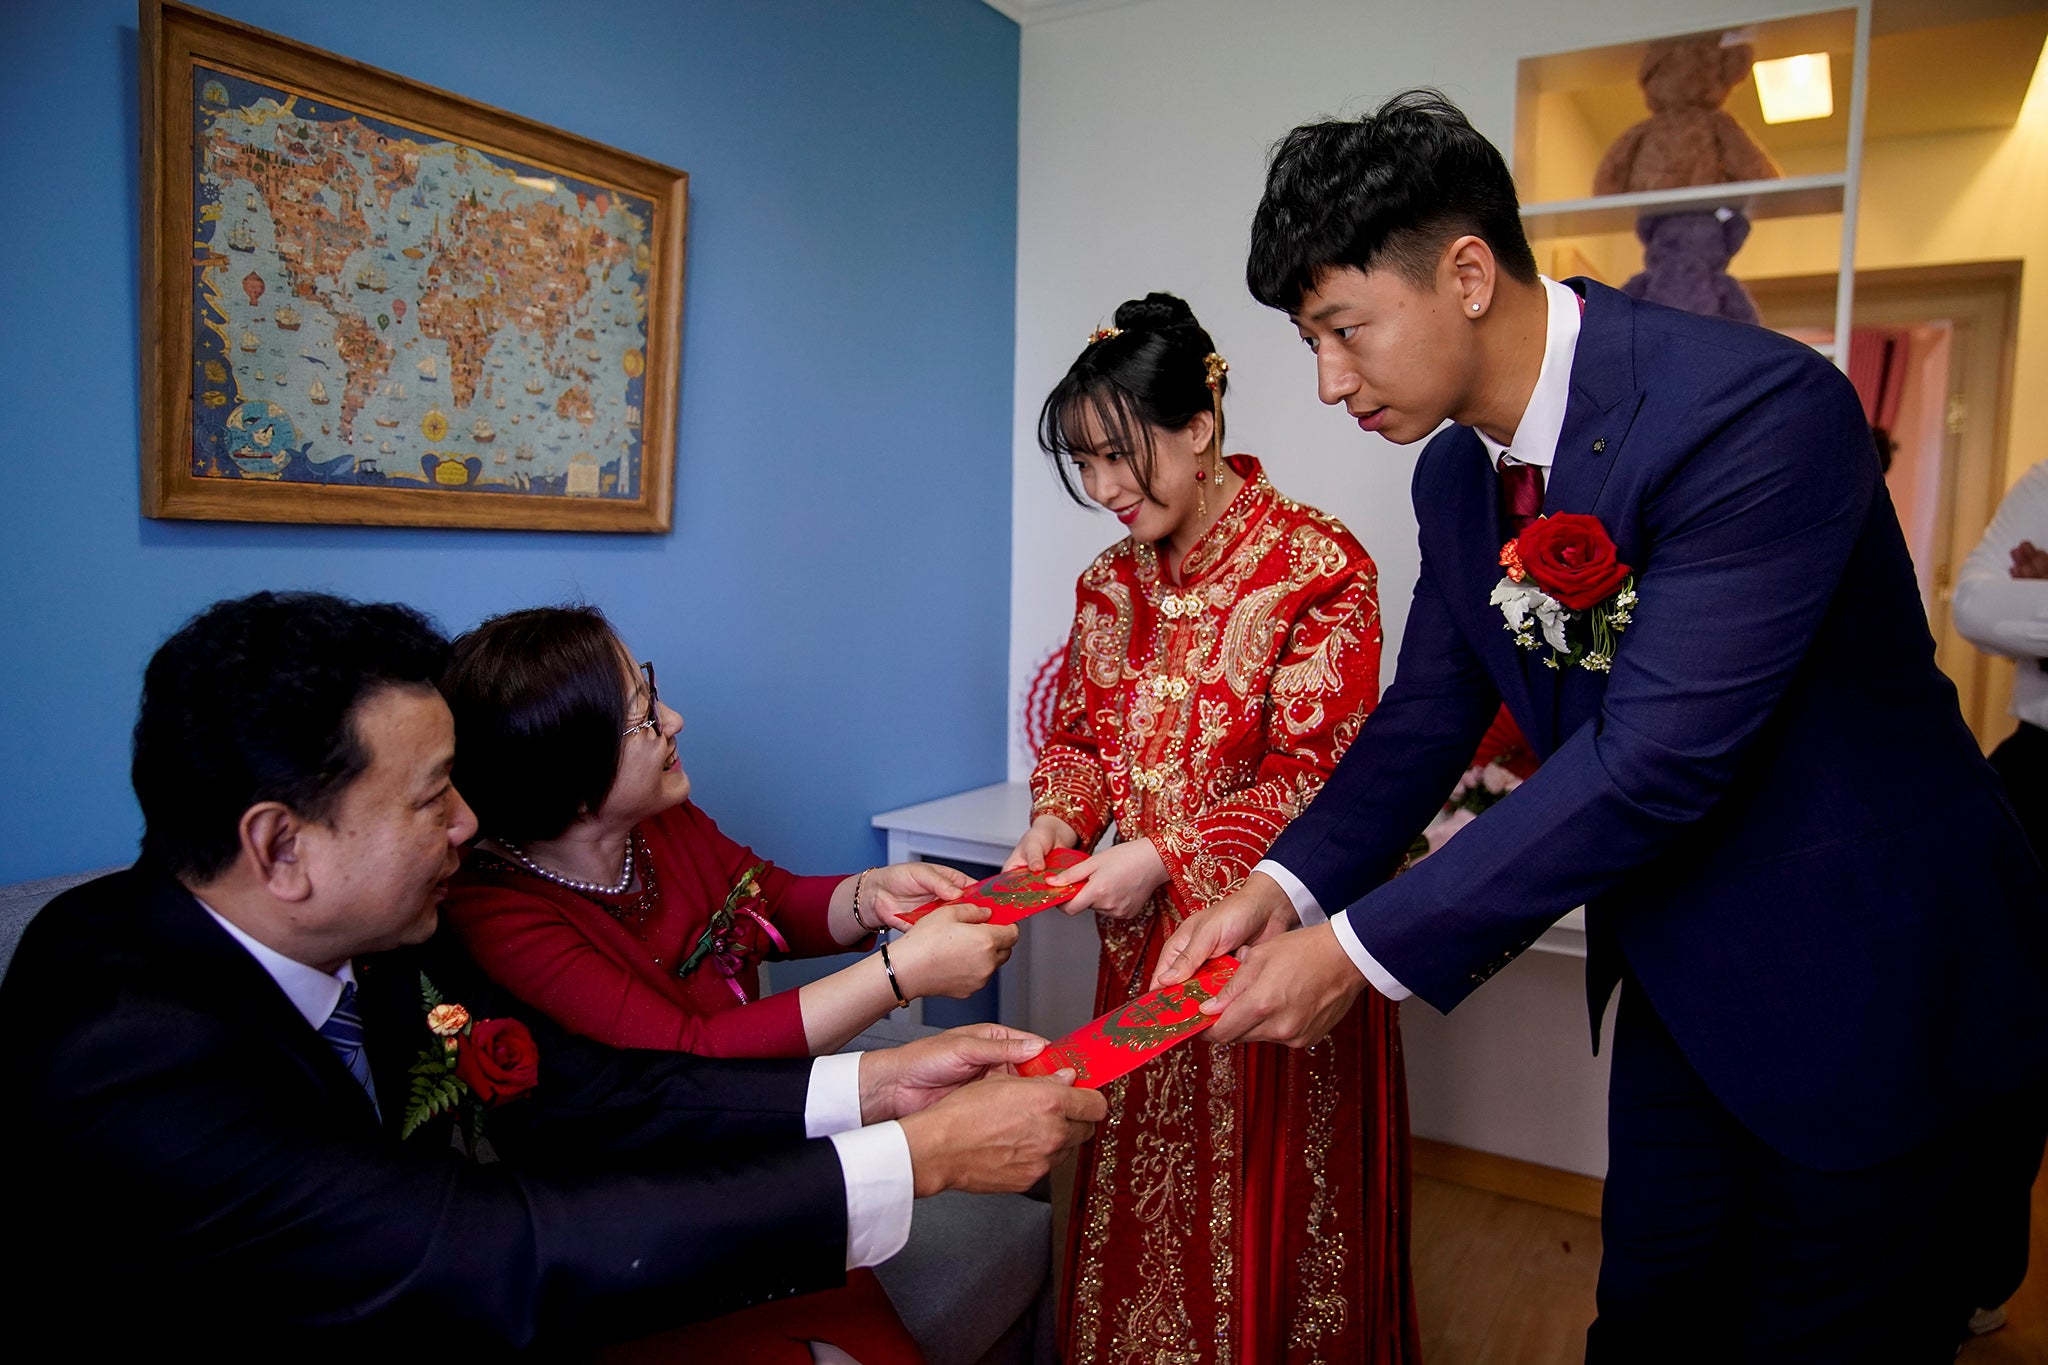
x: 1795, y: 88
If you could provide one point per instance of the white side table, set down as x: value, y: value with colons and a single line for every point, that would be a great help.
x: 980, y: 826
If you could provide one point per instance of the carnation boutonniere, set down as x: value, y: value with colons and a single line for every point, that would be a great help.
x: 471, y: 1065
x: 722, y: 939
x: 1566, y: 582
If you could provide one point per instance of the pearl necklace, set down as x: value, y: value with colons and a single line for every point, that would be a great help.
x: 618, y: 888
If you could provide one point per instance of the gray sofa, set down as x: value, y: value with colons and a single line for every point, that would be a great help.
x: 974, y: 1284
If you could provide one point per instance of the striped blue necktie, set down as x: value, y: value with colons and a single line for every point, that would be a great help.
x: 344, y: 1033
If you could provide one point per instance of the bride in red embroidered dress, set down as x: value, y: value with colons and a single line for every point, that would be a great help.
x: 1239, y: 1204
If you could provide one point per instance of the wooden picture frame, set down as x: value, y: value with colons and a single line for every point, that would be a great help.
x: 365, y: 300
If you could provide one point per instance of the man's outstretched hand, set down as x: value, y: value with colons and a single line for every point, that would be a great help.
x: 1256, y: 912
x: 971, y: 1122
x: 999, y: 1135
x: 895, y: 1081
x: 1289, y: 988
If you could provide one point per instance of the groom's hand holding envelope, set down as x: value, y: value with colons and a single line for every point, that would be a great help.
x: 1289, y: 988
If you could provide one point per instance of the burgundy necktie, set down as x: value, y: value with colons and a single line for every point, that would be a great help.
x: 1521, y: 494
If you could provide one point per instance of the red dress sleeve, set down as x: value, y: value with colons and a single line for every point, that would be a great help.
x: 1068, y: 781
x: 565, y: 955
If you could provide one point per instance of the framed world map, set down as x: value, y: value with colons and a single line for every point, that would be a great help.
x: 369, y: 301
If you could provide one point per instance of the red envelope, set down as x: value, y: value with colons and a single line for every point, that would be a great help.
x: 1017, y: 894
x: 1128, y: 1037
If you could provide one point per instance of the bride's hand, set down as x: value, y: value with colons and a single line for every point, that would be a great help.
x: 1121, y: 880
x: 1047, y: 833
x: 899, y: 888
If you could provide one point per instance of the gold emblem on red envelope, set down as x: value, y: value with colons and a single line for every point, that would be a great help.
x: 1133, y: 1034
x: 1161, y: 1017
x: 1016, y: 894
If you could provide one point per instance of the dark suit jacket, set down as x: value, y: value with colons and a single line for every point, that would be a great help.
x: 191, y: 1163
x: 1771, y: 807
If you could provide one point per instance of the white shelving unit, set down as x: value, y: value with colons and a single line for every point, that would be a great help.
x: 1555, y: 91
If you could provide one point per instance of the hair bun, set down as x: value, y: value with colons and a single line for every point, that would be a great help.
x: 1155, y: 312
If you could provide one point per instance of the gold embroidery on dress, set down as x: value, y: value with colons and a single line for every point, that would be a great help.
x: 1255, y: 627
x: 1225, y: 1102
x: 1320, y: 1311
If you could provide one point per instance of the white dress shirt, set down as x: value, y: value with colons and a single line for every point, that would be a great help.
x: 2007, y: 615
x: 1534, y: 443
x: 874, y: 1160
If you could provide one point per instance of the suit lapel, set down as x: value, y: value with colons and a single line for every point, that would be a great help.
x: 394, y: 1027
x: 213, y: 965
x: 1597, y: 419
x: 1603, y: 404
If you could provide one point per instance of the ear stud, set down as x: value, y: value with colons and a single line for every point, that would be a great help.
x: 1475, y: 307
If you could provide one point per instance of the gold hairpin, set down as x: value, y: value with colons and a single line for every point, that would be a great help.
x: 1217, y: 367
x: 1104, y: 334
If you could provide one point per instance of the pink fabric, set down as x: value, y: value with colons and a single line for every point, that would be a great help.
x: 1877, y: 367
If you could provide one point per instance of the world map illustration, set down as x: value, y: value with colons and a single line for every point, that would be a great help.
x: 377, y: 306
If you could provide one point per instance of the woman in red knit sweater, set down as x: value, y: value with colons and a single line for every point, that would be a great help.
x: 601, y: 895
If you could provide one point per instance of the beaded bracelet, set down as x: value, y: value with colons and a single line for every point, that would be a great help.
x: 888, y: 967
x: 865, y: 927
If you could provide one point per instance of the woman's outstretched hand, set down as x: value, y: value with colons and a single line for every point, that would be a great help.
x: 952, y: 951
x: 893, y: 891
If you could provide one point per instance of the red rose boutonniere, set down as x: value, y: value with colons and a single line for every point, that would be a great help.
x: 1565, y: 582
x: 472, y: 1064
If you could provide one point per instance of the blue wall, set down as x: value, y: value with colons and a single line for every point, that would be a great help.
x: 829, y: 612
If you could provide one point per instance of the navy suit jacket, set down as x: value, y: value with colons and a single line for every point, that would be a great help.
x: 1771, y: 807
x: 191, y: 1162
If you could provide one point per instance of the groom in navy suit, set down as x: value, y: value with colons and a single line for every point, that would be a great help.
x: 1829, y: 934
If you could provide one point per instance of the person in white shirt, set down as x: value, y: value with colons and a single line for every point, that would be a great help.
x: 2001, y: 606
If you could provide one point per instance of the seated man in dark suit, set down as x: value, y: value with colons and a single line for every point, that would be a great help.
x: 234, y: 1119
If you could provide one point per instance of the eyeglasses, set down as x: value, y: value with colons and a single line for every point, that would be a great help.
x: 653, y: 721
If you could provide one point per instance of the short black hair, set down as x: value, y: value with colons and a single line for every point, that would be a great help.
x: 1391, y: 189
x: 1153, y: 373
x: 540, y: 701
x: 254, y: 699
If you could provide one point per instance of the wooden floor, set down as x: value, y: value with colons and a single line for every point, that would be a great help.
x: 1500, y: 1280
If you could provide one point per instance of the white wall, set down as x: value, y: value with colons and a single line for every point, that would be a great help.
x: 1142, y: 138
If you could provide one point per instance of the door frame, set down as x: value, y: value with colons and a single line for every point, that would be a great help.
x: 1980, y: 299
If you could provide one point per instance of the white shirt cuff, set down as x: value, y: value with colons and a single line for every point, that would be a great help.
x: 875, y: 1162
x: 1311, y: 914
x: 832, y: 1104
x: 1382, y: 981
x: 1305, y: 907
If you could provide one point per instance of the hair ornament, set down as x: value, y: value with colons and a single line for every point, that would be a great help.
x: 1104, y: 334
x: 1217, y: 367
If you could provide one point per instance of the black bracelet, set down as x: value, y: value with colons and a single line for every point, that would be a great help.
x: 888, y: 967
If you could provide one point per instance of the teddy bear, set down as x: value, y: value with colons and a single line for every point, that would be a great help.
x: 1689, y: 139
x: 1685, y: 263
